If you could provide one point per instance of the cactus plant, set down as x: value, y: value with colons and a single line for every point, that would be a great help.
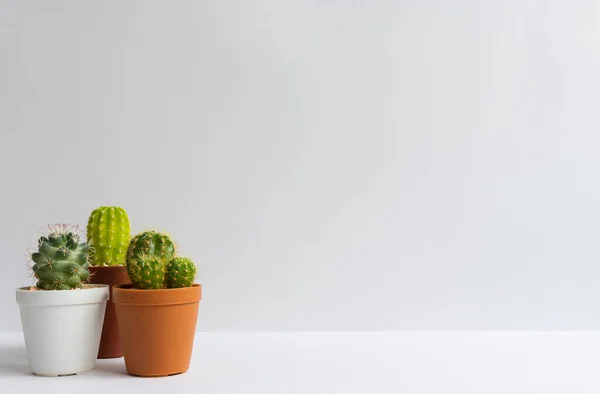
x: 108, y: 231
x: 61, y: 262
x: 180, y: 272
x: 146, y: 271
x: 147, y: 256
x: 151, y: 243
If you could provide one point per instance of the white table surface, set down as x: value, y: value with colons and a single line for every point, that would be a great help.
x: 345, y: 362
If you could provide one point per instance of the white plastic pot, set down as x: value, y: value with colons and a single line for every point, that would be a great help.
x: 62, y: 328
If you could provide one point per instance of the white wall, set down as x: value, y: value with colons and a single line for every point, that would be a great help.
x: 328, y: 164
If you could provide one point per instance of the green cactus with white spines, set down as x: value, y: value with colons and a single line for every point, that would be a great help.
x: 61, y: 262
x: 108, y: 231
x: 180, y: 272
x: 146, y: 272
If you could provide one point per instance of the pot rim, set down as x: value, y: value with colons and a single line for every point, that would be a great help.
x: 89, y: 294
x: 107, y: 266
x: 126, y: 294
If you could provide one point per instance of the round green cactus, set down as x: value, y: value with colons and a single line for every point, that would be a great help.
x: 180, y: 272
x: 146, y: 272
x: 61, y: 262
x: 151, y: 243
x: 108, y: 231
x: 147, y: 256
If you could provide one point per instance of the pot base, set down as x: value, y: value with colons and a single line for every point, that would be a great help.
x: 51, y: 375
x: 46, y: 375
x: 157, y: 376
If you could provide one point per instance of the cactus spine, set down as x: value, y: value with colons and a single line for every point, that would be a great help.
x: 61, y: 262
x: 108, y: 231
x: 180, y: 272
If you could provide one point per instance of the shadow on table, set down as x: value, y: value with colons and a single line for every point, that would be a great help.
x: 13, y: 361
x: 110, y: 367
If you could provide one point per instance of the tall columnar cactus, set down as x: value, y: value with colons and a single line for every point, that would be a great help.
x: 146, y: 271
x: 108, y: 231
x: 180, y: 272
x: 61, y: 262
x: 151, y: 243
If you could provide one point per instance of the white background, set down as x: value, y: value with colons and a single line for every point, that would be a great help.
x: 329, y: 165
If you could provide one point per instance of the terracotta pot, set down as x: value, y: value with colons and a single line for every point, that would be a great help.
x: 110, y: 343
x: 157, y: 328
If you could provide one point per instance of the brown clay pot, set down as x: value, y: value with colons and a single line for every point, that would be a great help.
x: 110, y: 343
x: 157, y: 328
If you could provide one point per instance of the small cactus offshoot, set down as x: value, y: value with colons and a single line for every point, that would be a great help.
x: 180, y: 272
x: 61, y: 262
x: 108, y: 231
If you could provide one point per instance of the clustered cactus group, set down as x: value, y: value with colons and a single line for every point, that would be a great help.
x: 61, y: 262
x: 152, y: 263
